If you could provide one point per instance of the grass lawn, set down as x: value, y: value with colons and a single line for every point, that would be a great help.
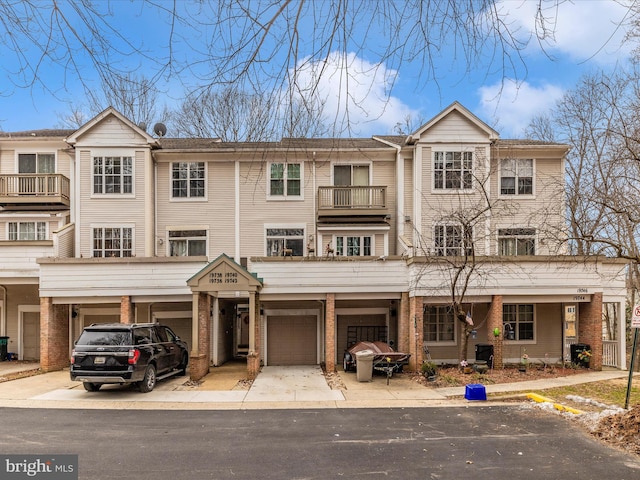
x: 610, y: 392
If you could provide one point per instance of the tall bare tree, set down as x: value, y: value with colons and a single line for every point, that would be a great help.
x: 262, y: 43
x: 134, y: 96
x: 234, y: 115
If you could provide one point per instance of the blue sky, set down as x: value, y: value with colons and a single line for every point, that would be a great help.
x: 587, y: 39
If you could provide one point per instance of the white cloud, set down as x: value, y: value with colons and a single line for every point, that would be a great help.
x: 355, y: 92
x: 511, y: 106
x: 582, y: 30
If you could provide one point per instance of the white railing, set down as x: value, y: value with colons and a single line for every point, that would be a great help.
x: 610, y: 353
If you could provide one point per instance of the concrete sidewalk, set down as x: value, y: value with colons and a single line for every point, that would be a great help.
x: 275, y: 387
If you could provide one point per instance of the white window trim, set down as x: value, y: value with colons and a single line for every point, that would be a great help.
x: 113, y: 225
x: 205, y: 198
x: 327, y: 234
x: 453, y: 191
x: 181, y: 229
x: 297, y: 226
x: 516, y: 227
x: 112, y: 153
x: 528, y: 196
x: 447, y: 343
x: 535, y: 326
x: 448, y: 224
x: 285, y: 197
x: 353, y: 164
x: 359, y: 234
x: 23, y: 151
x: 36, y: 221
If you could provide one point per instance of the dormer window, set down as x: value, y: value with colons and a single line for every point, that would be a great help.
x: 452, y: 170
x: 112, y: 175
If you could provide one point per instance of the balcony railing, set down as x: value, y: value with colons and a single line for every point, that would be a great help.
x: 352, y: 201
x: 34, y: 189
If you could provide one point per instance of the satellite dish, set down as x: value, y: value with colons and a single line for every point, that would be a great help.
x: 160, y: 129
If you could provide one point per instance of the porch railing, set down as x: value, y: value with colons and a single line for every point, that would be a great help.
x: 32, y: 187
x: 610, y: 353
x: 352, y: 197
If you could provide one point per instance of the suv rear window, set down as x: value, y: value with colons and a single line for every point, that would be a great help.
x: 105, y: 337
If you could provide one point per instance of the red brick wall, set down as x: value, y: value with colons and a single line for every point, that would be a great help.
x: 199, y: 364
x: 590, y: 328
x: 403, y: 323
x: 253, y: 358
x: 330, y: 333
x: 127, y: 314
x: 54, y: 335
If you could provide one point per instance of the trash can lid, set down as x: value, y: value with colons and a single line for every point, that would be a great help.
x: 365, y: 353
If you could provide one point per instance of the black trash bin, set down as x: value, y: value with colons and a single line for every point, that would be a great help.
x: 4, y: 341
x: 484, y: 352
x: 576, y: 349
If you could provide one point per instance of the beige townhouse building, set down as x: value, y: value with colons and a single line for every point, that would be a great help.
x: 288, y: 252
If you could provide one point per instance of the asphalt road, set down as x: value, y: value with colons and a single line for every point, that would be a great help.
x: 414, y: 443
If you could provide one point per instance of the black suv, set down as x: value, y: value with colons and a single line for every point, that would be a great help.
x: 140, y: 353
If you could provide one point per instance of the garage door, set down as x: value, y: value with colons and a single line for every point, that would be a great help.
x: 181, y: 327
x: 31, y: 336
x: 292, y: 340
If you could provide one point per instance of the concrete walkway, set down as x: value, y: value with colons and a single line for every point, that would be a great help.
x: 275, y: 387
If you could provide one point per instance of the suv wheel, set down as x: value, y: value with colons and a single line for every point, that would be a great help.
x: 91, y: 387
x: 149, y: 381
x: 183, y: 364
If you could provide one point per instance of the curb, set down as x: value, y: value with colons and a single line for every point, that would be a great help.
x: 563, y: 408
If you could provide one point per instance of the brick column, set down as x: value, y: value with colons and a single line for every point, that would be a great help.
x: 54, y: 335
x: 403, y: 323
x: 127, y: 312
x: 200, y: 361
x: 330, y: 333
x: 590, y: 328
x: 253, y: 357
x: 494, y: 320
x: 416, y: 333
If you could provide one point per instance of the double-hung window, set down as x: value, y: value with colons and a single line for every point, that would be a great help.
x: 187, y: 243
x: 438, y: 323
x: 518, y: 322
x: 187, y: 180
x: 452, y: 170
x: 352, y: 246
x: 517, y: 241
x: 285, y: 180
x: 516, y: 176
x: 112, y: 175
x: 36, y: 163
x: 112, y: 242
x: 452, y: 240
x: 27, y: 231
x: 285, y: 241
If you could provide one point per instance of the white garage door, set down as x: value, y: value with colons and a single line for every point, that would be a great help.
x: 292, y: 340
